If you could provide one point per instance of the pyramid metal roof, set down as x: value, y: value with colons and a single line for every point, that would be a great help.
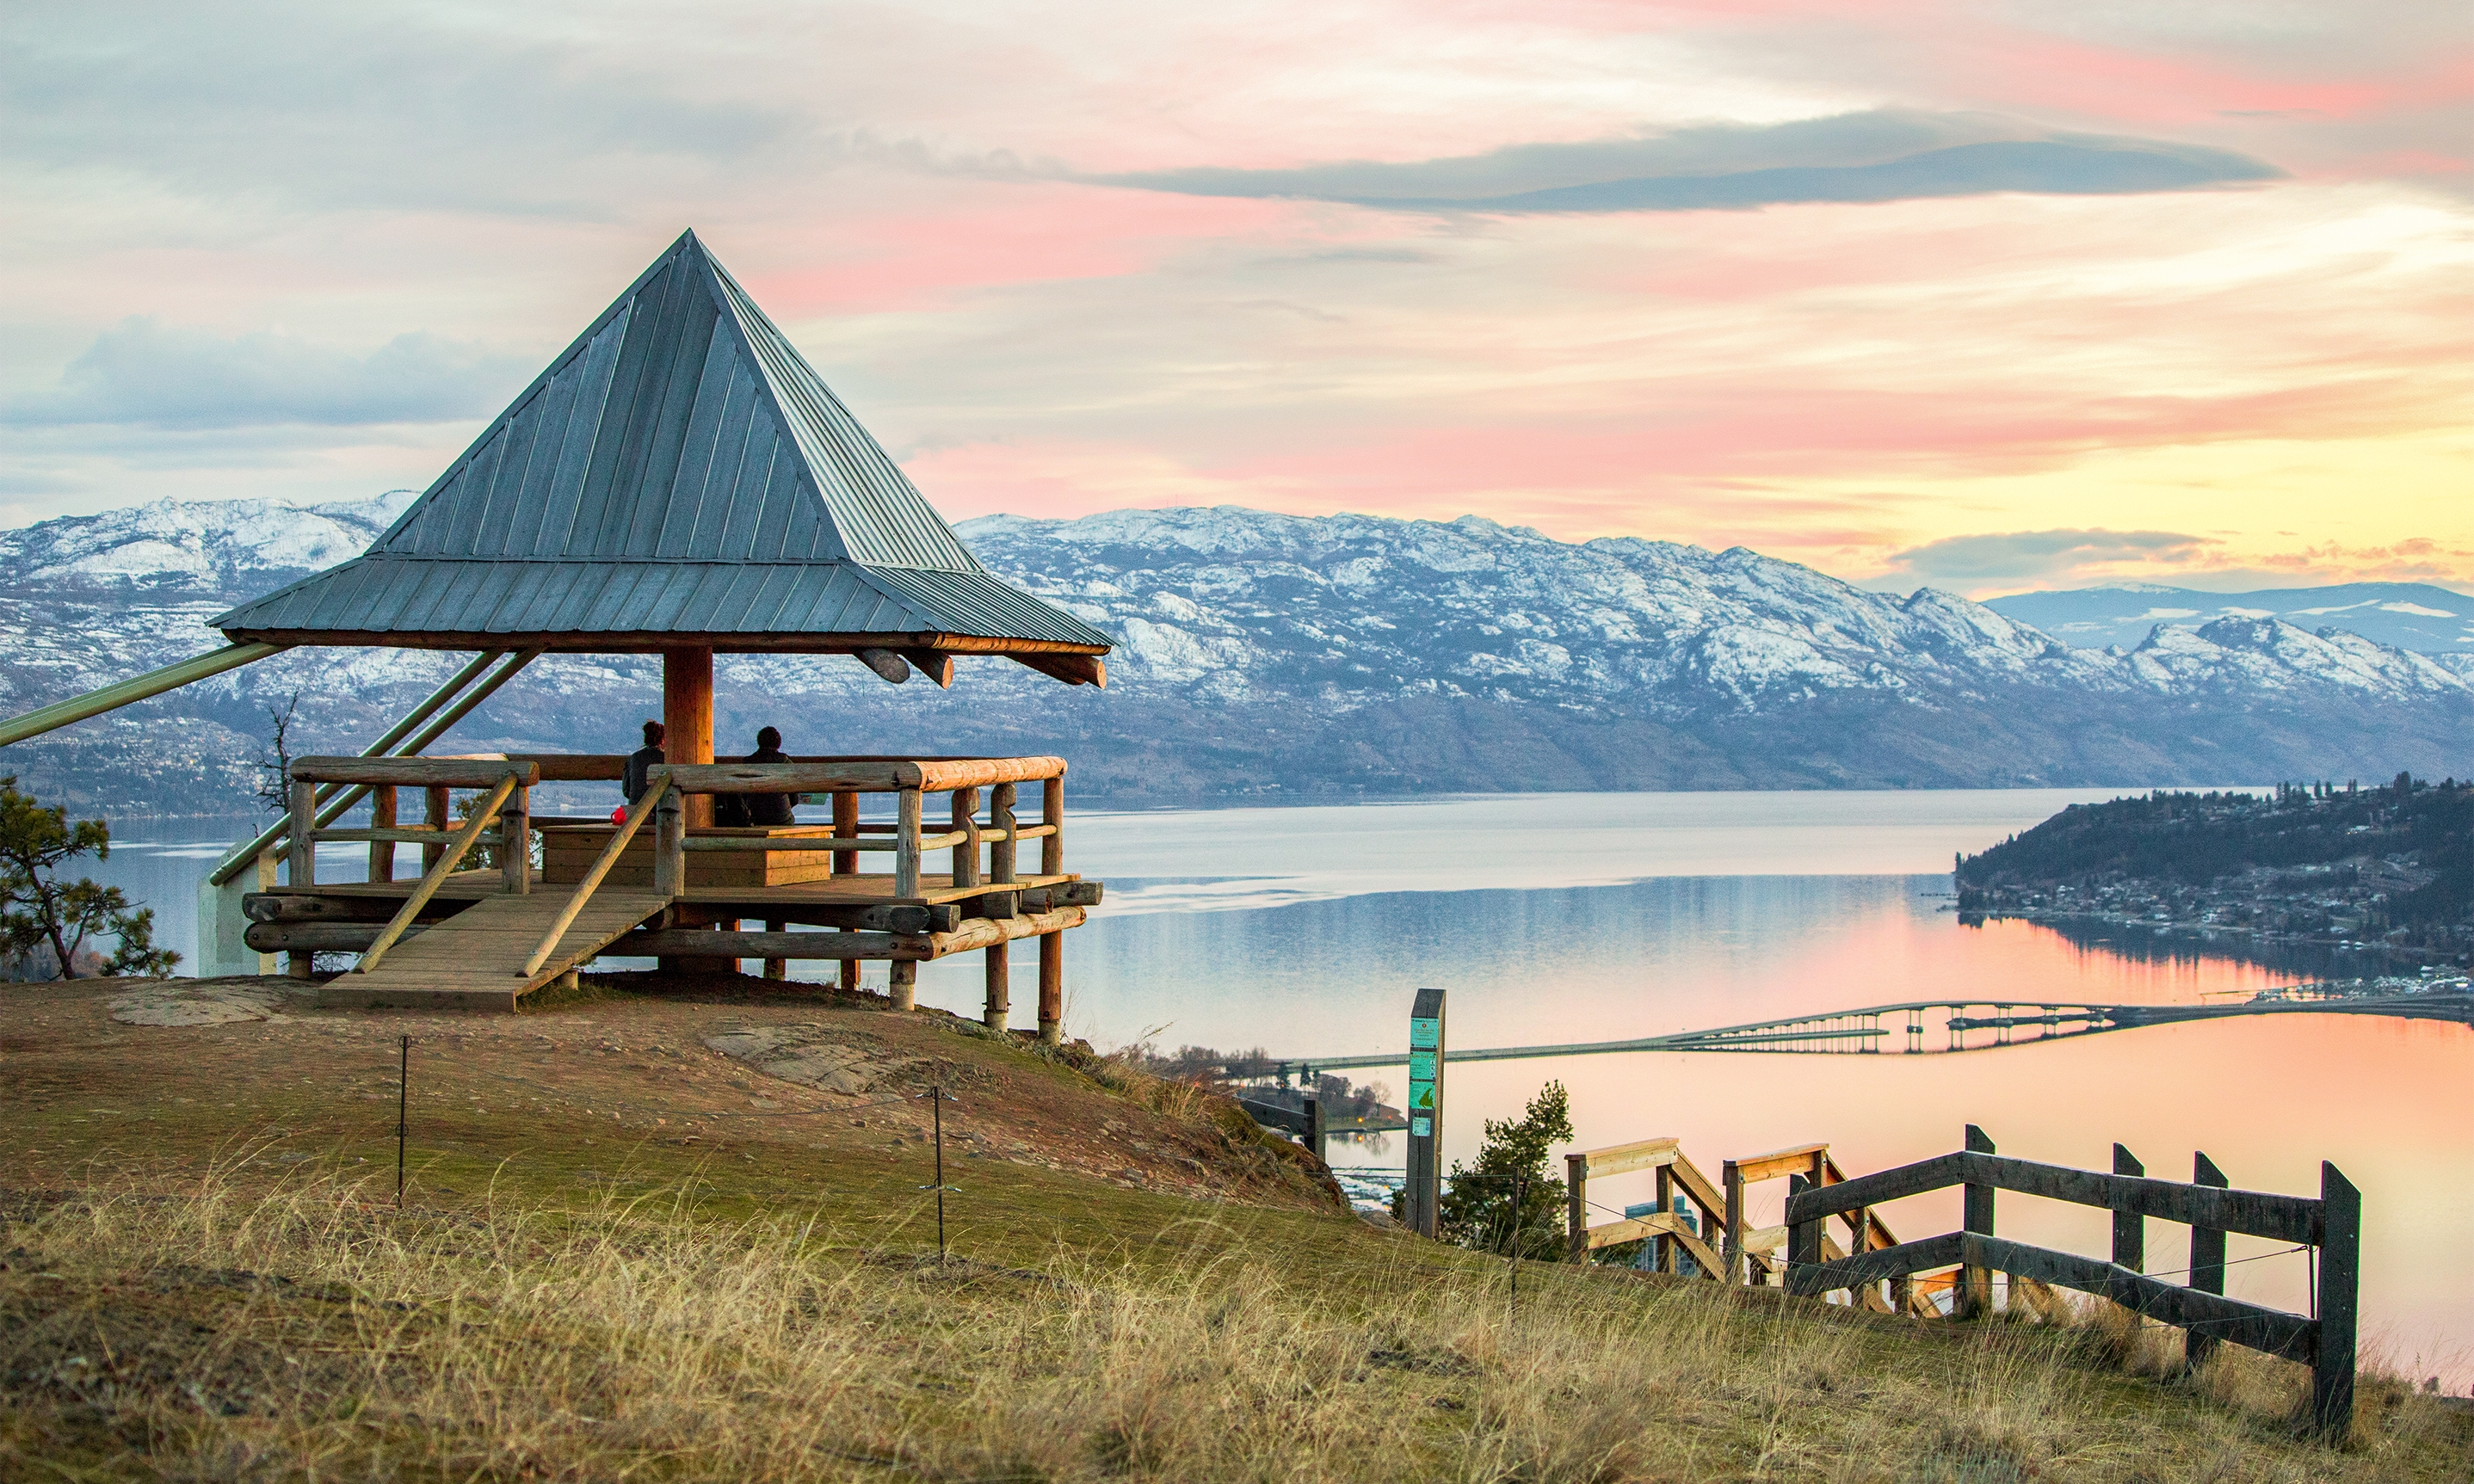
x: 679, y: 476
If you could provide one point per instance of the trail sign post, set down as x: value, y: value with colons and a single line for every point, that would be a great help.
x: 1425, y: 1111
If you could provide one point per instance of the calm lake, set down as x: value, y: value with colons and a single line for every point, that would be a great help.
x: 1567, y: 918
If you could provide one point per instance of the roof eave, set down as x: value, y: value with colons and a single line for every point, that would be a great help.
x: 646, y: 642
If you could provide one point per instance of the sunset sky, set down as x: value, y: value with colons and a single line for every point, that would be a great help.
x: 1982, y: 296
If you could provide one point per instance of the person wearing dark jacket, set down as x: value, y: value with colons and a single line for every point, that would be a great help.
x: 769, y: 808
x: 632, y: 781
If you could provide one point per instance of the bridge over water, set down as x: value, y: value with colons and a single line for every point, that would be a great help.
x: 1940, y: 1027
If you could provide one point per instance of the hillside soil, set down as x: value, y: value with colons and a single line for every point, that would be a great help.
x: 693, y: 1234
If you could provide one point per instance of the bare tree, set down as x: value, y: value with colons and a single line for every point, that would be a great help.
x: 275, y: 758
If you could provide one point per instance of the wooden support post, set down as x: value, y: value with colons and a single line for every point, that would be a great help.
x: 435, y: 814
x: 1664, y: 1261
x: 516, y: 842
x: 1731, y: 1186
x: 301, y: 860
x: 686, y: 720
x: 2207, y: 1264
x: 1000, y: 999
x: 966, y: 824
x: 1576, y: 1207
x: 1001, y: 853
x: 776, y: 967
x: 1973, y: 1299
x: 1052, y: 813
x: 845, y: 863
x: 905, y: 845
x: 2340, y: 1258
x: 1052, y: 988
x: 1902, y: 1293
x: 903, y: 991
x: 1315, y: 1139
x: 2130, y: 1228
x: 382, y: 817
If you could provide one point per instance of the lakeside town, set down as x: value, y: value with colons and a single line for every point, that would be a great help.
x: 2381, y: 872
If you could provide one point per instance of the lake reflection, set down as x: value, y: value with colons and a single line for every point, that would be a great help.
x: 1556, y: 918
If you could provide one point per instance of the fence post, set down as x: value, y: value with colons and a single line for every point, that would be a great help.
x: 1315, y: 1139
x: 1803, y: 1238
x: 1576, y: 1206
x: 382, y: 817
x: 2341, y: 1255
x: 1972, y: 1297
x: 1730, y: 1184
x: 2130, y: 1228
x: 669, y: 842
x: 515, y: 842
x: 2207, y: 1264
x: 906, y: 844
x: 1668, y: 1204
x: 1052, y: 813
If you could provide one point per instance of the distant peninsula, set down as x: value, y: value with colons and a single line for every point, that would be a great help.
x: 2388, y: 868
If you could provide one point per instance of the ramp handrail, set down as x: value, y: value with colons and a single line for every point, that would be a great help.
x: 636, y: 813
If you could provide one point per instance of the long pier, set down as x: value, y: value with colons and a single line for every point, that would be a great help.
x: 1937, y: 1027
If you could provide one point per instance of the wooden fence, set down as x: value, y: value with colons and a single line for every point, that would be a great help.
x: 2331, y: 1223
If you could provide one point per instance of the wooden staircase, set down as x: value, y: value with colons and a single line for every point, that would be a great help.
x: 476, y: 959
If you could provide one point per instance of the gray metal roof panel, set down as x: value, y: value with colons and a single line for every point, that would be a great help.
x: 679, y: 469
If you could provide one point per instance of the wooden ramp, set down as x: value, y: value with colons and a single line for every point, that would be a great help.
x: 473, y: 959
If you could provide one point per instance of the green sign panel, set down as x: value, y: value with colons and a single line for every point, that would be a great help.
x: 1421, y: 1094
x: 1422, y: 1066
x: 1423, y: 1032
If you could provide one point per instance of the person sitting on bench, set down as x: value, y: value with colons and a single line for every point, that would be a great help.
x: 632, y: 781
x: 745, y: 810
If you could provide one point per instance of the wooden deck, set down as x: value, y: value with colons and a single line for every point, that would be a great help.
x: 474, y: 960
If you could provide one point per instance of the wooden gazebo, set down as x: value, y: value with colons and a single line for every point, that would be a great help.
x: 678, y: 481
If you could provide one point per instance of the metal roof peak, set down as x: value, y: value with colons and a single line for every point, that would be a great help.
x: 683, y: 439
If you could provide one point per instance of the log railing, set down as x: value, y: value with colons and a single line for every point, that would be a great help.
x: 2330, y: 1223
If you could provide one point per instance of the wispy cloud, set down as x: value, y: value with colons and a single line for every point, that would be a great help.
x: 1878, y: 155
x: 2041, y: 556
x: 144, y: 373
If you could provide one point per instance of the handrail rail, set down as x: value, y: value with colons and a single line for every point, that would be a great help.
x: 437, y: 877
x: 642, y: 811
x: 433, y: 771
x: 2283, y: 1218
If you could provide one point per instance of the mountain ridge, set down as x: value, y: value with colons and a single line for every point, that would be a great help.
x: 1265, y: 656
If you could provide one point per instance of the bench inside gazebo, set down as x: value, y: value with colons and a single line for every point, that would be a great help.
x: 678, y: 482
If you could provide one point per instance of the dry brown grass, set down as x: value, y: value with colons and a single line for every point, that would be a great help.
x: 233, y: 1333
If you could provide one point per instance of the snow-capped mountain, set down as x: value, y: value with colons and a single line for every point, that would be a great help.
x: 1278, y: 656
x: 2411, y: 615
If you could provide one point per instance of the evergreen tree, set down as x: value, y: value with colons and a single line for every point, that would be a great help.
x: 1479, y: 1208
x: 39, y: 911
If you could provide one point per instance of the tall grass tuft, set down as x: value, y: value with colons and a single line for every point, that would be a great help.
x: 309, y: 1333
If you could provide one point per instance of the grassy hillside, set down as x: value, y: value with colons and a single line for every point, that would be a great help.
x: 625, y: 1253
